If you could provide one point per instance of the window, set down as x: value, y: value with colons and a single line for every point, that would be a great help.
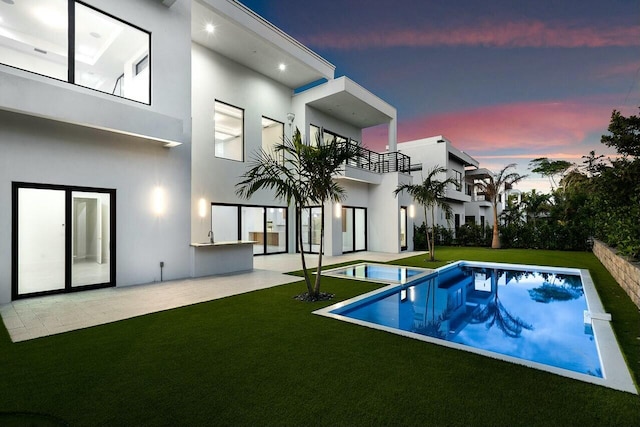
x: 109, y: 55
x: 229, y: 135
x: 457, y: 176
x: 264, y: 225
x: 327, y: 136
x: 272, y: 133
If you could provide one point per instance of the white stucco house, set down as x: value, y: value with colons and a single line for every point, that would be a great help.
x: 125, y: 125
x: 467, y: 203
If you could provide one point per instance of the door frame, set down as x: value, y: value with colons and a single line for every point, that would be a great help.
x: 15, y: 187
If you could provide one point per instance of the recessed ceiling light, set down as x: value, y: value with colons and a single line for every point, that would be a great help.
x: 209, y: 28
x: 282, y: 67
x: 95, y: 35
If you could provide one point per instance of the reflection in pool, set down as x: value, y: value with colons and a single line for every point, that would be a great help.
x: 533, y: 315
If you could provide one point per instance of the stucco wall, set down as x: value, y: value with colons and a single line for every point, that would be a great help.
x: 625, y: 273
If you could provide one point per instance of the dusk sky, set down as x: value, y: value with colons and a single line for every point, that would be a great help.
x: 506, y: 81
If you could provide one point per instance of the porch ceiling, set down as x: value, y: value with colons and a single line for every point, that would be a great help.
x: 248, y: 39
x: 351, y: 109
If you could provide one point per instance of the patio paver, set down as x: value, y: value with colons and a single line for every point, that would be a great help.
x: 41, y: 316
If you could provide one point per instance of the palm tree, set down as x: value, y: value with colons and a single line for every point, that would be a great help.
x: 494, y: 313
x: 536, y: 204
x: 492, y: 187
x: 301, y: 174
x: 431, y: 195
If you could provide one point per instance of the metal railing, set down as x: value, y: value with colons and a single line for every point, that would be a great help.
x: 377, y: 162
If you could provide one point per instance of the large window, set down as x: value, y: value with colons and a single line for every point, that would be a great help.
x: 229, y: 135
x: 272, y: 133
x: 264, y: 225
x: 109, y: 55
x: 327, y: 136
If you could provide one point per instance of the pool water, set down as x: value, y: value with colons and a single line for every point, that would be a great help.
x: 533, y: 315
x: 382, y: 273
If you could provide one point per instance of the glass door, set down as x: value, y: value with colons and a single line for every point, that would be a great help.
x: 62, y: 238
x: 311, y: 221
x: 41, y: 240
x: 90, y: 238
x: 403, y: 228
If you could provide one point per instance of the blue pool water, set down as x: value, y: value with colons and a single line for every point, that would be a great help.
x: 378, y: 272
x: 533, y: 315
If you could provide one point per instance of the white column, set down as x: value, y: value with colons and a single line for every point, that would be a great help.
x: 393, y: 135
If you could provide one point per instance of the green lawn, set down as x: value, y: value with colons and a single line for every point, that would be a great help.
x: 263, y: 359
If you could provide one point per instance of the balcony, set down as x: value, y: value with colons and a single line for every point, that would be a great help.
x: 377, y: 162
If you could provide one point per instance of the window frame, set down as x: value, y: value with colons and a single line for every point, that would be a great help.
x: 242, y: 110
x: 71, y: 61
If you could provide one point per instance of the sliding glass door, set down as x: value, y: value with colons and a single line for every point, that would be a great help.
x: 62, y: 238
x: 312, y: 218
x: 354, y: 229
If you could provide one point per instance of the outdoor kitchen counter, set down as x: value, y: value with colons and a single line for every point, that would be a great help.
x: 208, y: 259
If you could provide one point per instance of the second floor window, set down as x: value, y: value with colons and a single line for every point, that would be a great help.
x: 457, y: 176
x: 108, y: 54
x: 229, y: 134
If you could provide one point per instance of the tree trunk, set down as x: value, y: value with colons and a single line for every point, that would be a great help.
x: 426, y: 231
x: 307, y: 281
x: 432, y: 249
x: 495, y: 241
x: 316, y: 290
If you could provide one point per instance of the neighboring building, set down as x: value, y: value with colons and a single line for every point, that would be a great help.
x: 126, y: 125
x: 467, y: 203
x: 439, y: 151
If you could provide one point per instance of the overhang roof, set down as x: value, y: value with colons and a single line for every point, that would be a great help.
x: 349, y: 102
x: 245, y: 37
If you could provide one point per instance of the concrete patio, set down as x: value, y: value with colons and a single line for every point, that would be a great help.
x: 41, y: 316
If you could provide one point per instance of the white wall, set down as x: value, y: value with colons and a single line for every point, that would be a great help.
x: 215, y: 77
x: 40, y: 150
x: 384, y: 215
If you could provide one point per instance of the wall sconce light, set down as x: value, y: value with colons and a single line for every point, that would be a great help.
x: 202, y: 208
x: 338, y: 210
x: 159, y: 201
x: 412, y: 211
x: 290, y: 118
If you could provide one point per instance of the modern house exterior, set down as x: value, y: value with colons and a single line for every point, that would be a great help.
x: 125, y: 126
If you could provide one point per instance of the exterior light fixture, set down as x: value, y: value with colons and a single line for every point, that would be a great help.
x: 209, y: 28
x: 412, y: 211
x: 290, y: 118
x: 159, y: 201
x: 338, y: 210
x: 202, y: 208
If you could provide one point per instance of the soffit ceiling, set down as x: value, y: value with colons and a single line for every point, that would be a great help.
x: 246, y: 47
x: 351, y: 109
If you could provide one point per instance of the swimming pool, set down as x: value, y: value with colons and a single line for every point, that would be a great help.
x: 379, y: 273
x: 543, y: 317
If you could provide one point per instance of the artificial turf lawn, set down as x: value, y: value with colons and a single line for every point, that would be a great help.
x: 263, y: 359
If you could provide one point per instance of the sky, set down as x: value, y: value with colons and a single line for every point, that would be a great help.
x: 505, y: 81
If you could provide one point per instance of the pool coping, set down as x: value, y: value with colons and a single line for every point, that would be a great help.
x: 616, y: 374
x: 331, y: 273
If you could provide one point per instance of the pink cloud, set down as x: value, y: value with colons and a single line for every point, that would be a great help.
x: 516, y: 133
x: 535, y: 125
x: 490, y: 34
